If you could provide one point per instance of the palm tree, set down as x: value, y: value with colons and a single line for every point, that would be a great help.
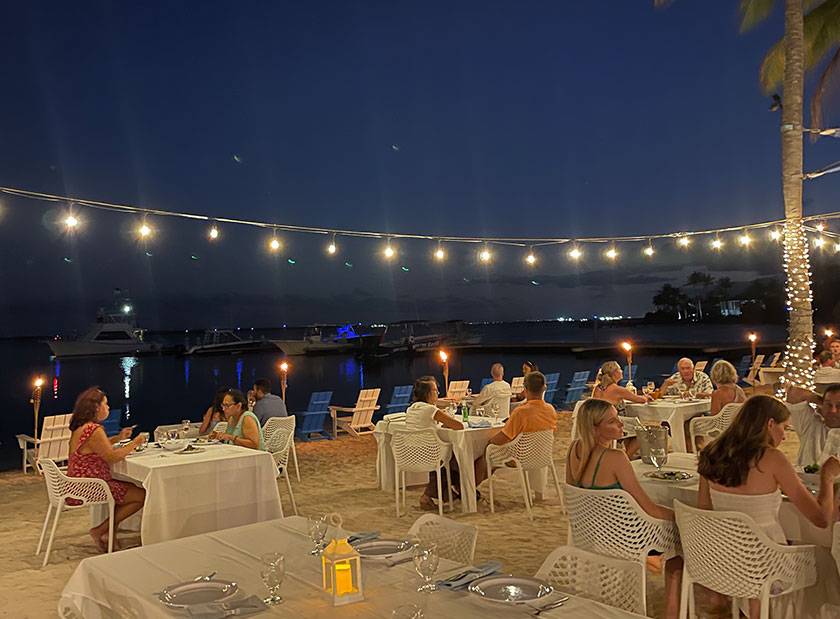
x: 807, y: 40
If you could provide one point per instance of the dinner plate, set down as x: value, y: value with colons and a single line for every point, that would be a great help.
x: 383, y: 549
x: 186, y: 594
x: 510, y: 589
x: 190, y: 449
x: 669, y: 475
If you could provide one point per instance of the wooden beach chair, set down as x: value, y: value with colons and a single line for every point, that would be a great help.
x: 774, y: 360
x: 551, y: 382
x: 752, y: 376
x: 484, y: 382
x: 357, y: 420
x: 700, y: 366
x: 311, y: 423
x: 457, y: 389
x: 54, y: 442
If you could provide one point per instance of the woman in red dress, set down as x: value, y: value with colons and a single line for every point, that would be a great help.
x: 92, y: 453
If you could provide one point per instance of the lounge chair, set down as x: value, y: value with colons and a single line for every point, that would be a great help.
x: 400, y: 399
x: 310, y: 424
x: 54, y: 442
x: 357, y: 420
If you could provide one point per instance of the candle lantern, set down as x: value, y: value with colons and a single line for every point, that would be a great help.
x: 341, y: 568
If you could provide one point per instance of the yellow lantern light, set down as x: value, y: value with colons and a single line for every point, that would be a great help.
x: 341, y: 569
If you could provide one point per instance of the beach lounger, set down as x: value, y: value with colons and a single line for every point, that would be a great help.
x: 400, y: 399
x: 357, y: 420
x: 311, y: 423
x: 457, y: 389
x: 54, y: 442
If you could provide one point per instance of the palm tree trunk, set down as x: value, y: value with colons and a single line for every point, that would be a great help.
x: 800, y: 345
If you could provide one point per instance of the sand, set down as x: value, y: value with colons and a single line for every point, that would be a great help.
x: 336, y: 475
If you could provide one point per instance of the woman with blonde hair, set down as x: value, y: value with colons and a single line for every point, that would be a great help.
x: 607, y: 387
x: 725, y: 378
x: 591, y: 463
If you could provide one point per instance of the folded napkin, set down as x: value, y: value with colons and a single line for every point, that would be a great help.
x: 479, y: 571
x: 365, y: 536
x: 684, y: 461
x: 238, y: 608
x: 479, y: 423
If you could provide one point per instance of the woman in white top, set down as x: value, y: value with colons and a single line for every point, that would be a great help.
x: 744, y: 471
x: 422, y: 414
x: 725, y: 378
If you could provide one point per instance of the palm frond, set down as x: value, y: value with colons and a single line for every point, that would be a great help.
x: 822, y: 35
x: 754, y: 12
x: 831, y: 71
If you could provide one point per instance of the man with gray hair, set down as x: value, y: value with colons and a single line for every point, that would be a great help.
x: 497, y: 392
x: 687, y: 378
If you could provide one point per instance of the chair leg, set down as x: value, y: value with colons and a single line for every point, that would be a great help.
x: 397, y: 490
x: 528, y: 487
x: 684, y: 592
x: 525, y: 492
x: 692, y: 610
x: 44, y: 529
x: 449, y: 485
x: 294, y: 456
x: 440, y: 494
x: 490, y: 486
x: 52, y: 535
x: 764, y: 613
x: 111, y: 529
x: 289, y: 486
x: 736, y: 611
x: 404, y: 492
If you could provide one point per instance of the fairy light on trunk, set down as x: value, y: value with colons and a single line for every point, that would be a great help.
x: 799, y: 351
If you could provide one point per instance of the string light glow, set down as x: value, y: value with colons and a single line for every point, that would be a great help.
x: 611, y: 253
x: 575, y: 253
x: 213, y: 233
x: 775, y: 235
x: 531, y: 258
x: 71, y: 221
x: 649, y: 251
x: 683, y: 241
x: 388, y: 252
x: 819, y: 242
x: 484, y: 255
x: 717, y: 244
x: 820, y: 227
x: 439, y: 253
x: 799, y: 351
x: 144, y: 231
x: 828, y: 332
x: 745, y: 240
x: 274, y: 244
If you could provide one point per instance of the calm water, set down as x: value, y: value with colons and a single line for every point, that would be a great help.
x: 165, y: 389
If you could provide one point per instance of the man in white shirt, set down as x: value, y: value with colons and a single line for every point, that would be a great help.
x: 496, y: 392
x: 812, y: 423
x: 689, y: 378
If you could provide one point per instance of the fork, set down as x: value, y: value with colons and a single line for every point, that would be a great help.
x: 555, y: 604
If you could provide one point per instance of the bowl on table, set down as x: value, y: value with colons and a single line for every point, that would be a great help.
x: 173, y: 444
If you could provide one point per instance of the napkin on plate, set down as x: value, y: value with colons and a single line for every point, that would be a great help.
x: 365, y: 536
x: 479, y: 423
x: 479, y: 571
x: 247, y: 606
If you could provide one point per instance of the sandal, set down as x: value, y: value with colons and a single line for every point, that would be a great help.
x: 427, y: 504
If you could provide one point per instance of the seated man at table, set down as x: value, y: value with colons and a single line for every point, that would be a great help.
x: 687, y: 378
x: 496, y: 392
x: 267, y: 405
x: 424, y: 414
x: 812, y: 419
x: 534, y: 415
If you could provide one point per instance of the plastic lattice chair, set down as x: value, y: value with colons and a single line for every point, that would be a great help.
x: 83, y: 491
x: 420, y: 451
x: 615, y: 582
x: 530, y: 451
x: 455, y: 541
x: 611, y: 523
x: 279, y: 444
x: 288, y: 423
x: 713, y: 425
x: 729, y: 553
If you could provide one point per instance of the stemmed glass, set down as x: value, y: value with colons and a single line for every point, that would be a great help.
x: 273, y: 571
x: 317, y: 533
x: 494, y: 409
x: 426, y: 561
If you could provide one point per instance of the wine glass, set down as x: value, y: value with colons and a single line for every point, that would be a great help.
x: 651, y: 387
x: 185, y: 427
x: 273, y: 571
x: 494, y: 409
x: 317, y: 533
x: 426, y: 561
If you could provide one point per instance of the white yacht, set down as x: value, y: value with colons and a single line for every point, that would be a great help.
x: 113, y: 333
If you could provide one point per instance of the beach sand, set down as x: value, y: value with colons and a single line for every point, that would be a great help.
x: 336, y: 476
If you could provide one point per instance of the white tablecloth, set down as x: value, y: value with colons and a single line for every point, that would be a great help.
x: 797, y: 528
x: 186, y: 494
x: 123, y: 584
x: 673, y: 412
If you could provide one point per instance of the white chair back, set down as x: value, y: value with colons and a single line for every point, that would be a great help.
x: 55, y: 438
x: 455, y: 541
x: 517, y: 385
x: 729, y: 553
x: 84, y: 489
x: 273, y: 424
x: 610, y: 522
x: 279, y: 444
x: 714, y: 425
x: 532, y: 450
x: 578, y: 404
x: 419, y: 450
x: 457, y: 389
x: 616, y: 582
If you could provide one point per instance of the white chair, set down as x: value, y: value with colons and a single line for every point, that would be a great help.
x: 611, y: 523
x: 279, y: 445
x: 530, y: 451
x: 835, y: 545
x: 420, y: 451
x: 457, y: 389
x: 517, y: 385
x: 360, y: 418
x: 611, y: 581
x: 455, y: 541
x: 728, y: 553
x: 87, y: 490
x: 274, y: 423
x: 54, y: 442
x: 713, y: 425
x: 573, y: 435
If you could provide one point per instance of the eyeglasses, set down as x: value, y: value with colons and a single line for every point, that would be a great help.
x: 229, y: 404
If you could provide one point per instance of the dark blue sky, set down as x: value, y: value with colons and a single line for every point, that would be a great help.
x: 538, y: 118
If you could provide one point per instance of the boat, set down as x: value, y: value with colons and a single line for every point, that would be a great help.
x: 331, y: 339
x: 225, y: 341
x: 419, y: 336
x: 114, y: 333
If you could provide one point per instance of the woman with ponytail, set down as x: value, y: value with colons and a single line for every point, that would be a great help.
x: 607, y: 387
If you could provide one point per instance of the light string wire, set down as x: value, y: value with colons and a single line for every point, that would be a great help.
x: 512, y: 241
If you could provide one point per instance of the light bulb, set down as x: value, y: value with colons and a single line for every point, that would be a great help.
x: 331, y: 248
x: 389, y: 252
x: 836, y: 247
x: 440, y: 254
x: 611, y: 253
x: 71, y: 221
x: 274, y: 245
x: 575, y: 253
x: 530, y: 258
x: 820, y: 227
x: 775, y: 235
x: 683, y: 241
x: 649, y: 251
x: 484, y: 255
x: 144, y: 231
x: 213, y: 234
x: 717, y: 244
x: 745, y: 240
x: 819, y: 242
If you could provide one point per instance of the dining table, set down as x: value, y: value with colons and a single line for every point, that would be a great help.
x: 214, y: 486
x: 673, y: 411
x: 127, y: 583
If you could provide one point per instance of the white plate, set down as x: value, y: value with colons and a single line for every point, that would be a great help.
x: 186, y: 594
x: 383, y: 549
x: 510, y: 589
x: 669, y: 475
x: 189, y: 449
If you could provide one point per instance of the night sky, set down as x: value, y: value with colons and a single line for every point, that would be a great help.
x: 484, y: 118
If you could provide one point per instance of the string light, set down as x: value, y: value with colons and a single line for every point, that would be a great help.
x: 820, y: 227
x: 71, y: 221
x: 649, y: 251
x: 531, y: 258
x: 274, y: 244
x: 819, y: 242
x: 683, y: 241
x: 717, y: 244
x: 828, y: 332
x: 484, y: 255
x: 836, y: 248
x: 575, y: 253
x: 611, y: 253
x: 144, y: 231
x: 213, y: 233
x: 775, y: 235
x: 799, y: 350
x: 331, y: 248
x: 439, y: 253
x: 388, y: 252
x: 745, y: 239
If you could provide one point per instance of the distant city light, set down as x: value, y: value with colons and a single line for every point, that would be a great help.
x: 126, y: 309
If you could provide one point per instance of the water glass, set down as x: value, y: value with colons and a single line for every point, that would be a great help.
x: 659, y: 457
x: 494, y: 409
x: 426, y: 561
x: 317, y: 533
x: 273, y: 571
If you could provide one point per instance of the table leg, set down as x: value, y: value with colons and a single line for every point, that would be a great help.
x: 467, y: 470
x: 676, y: 421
